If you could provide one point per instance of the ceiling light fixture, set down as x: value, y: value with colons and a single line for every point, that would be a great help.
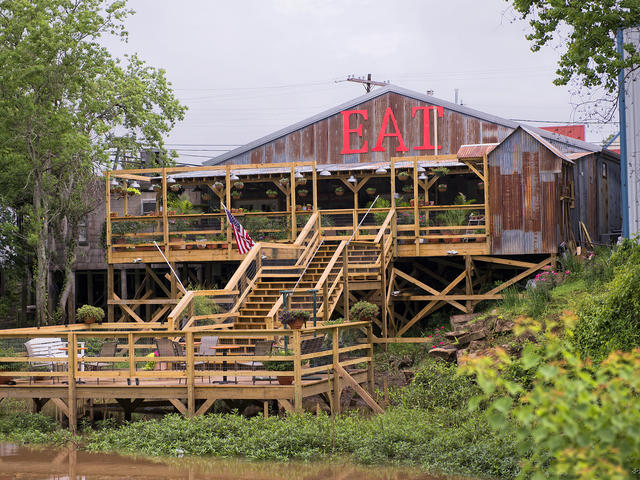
x: 171, y: 180
x: 234, y: 177
x: 325, y: 173
x: 381, y: 170
x: 352, y: 179
x: 422, y: 177
x: 135, y: 184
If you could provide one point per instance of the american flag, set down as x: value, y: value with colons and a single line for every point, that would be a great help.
x: 243, y: 240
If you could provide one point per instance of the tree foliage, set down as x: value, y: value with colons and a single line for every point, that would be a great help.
x: 591, y: 53
x: 65, y: 104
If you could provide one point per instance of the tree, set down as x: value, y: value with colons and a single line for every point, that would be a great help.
x: 591, y: 53
x: 65, y: 104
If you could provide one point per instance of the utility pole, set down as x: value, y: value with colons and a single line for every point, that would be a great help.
x: 366, y: 81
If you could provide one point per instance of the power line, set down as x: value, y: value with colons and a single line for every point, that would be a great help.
x: 590, y: 122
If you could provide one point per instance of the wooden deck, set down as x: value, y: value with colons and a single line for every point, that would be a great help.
x: 191, y: 383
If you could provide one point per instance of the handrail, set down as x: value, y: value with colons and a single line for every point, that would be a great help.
x: 385, y: 224
x: 327, y: 271
x: 355, y: 230
x: 243, y: 267
x: 306, y: 266
x: 302, y: 235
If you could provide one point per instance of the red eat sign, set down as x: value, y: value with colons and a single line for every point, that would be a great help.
x: 383, y: 133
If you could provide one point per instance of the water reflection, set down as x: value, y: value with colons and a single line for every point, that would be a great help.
x: 71, y: 464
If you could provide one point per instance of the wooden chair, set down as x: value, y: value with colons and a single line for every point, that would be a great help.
x: 107, y: 349
x: 49, y: 348
x: 205, y: 349
x: 311, y: 345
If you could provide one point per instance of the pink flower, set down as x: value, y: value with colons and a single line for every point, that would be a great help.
x: 429, y: 336
x: 433, y: 346
x: 436, y: 334
x: 442, y: 328
x: 567, y: 272
x: 441, y: 343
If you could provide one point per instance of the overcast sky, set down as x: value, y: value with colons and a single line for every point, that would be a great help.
x: 248, y: 68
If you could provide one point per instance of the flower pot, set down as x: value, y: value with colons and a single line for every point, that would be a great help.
x: 442, y: 188
x: 411, y: 202
x: 339, y: 193
x: 285, y: 380
x: 4, y: 380
x: 296, y: 323
x: 175, y: 188
x: 218, y: 186
x: 190, y: 247
x: 371, y: 191
x: 114, y: 214
x: 89, y: 320
x: 272, y: 195
x: 211, y: 246
x: 303, y: 193
x: 403, y: 177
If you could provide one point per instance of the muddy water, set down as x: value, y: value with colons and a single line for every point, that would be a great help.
x: 69, y: 464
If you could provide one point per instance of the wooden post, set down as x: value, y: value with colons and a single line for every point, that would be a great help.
x: 335, y: 339
x: 110, y: 292
x: 191, y: 398
x: 325, y: 300
x: 228, y: 200
x: 370, y: 377
x: 345, y: 281
x: 292, y: 182
x: 355, y: 212
x: 392, y: 180
x: 72, y: 354
x: 314, y: 181
x: 487, y: 209
x: 132, y: 363
x: 108, y: 219
x: 297, y: 375
x: 416, y: 209
x: 383, y: 290
x: 468, y: 282
x: 125, y: 201
x: 165, y: 213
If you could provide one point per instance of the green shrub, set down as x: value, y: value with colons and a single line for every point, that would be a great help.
x: 610, y: 320
x: 437, y: 385
x: 364, y: 311
x: 578, y: 421
x: 86, y: 312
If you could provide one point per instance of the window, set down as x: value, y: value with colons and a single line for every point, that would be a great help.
x: 83, y: 232
x: 604, y: 170
x: 148, y: 206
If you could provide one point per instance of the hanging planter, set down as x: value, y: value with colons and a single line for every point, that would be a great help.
x: 301, y: 181
x: 205, y: 197
x: 218, y: 186
x: 442, y: 187
x: 339, y: 191
x: 175, y: 187
x: 238, y: 185
x: 156, y: 187
x: 480, y: 185
x: 284, y: 181
x: 132, y: 192
x: 407, y: 189
x: 371, y: 191
x: 403, y: 176
x: 441, y: 171
x: 272, y: 194
x: 116, y: 189
x: 236, y: 194
x: 303, y: 192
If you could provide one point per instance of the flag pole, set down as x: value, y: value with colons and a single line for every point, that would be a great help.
x: 172, y: 270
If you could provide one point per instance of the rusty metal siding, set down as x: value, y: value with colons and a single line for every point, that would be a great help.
x: 322, y: 141
x: 524, y: 200
x: 597, y: 198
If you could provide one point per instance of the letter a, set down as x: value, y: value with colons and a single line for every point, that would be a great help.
x: 388, y: 114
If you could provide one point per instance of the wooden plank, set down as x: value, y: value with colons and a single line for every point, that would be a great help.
x: 179, y: 405
x: 368, y: 399
x: 519, y: 277
x: 205, y: 406
x: 503, y: 261
x: 286, y: 404
x: 61, y: 405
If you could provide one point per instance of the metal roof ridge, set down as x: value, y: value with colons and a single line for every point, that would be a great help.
x: 391, y: 88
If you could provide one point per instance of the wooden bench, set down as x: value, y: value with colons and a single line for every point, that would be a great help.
x: 46, y: 347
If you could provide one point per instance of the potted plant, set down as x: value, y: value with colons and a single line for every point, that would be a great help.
x: 175, y: 187
x: 132, y: 192
x: 6, y: 368
x: 301, y: 181
x: 440, y: 171
x: 407, y: 189
x: 114, y: 214
x: 236, y: 194
x: 364, y: 311
x: 371, y: 191
x: 218, y: 186
x: 481, y: 186
x: 403, y: 176
x: 156, y: 187
x: 89, y: 314
x: 205, y: 197
x: 284, y: 181
x: 339, y: 191
x: 281, y: 366
x: 238, y: 185
x: 272, y: 193
x: 442, y: 187
x: 294, y: 318
x: 303, y: 192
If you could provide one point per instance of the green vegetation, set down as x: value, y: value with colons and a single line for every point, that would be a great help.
x: 89, y: 313
x: 364, y: 311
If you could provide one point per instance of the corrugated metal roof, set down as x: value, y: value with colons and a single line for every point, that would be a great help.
x: 475, y: 151
x: 553, y: 149
x: 337, y: 168
x: 407, y: 93
x: 577, y: 155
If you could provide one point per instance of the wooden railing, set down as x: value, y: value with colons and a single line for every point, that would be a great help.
x: 135, y: 359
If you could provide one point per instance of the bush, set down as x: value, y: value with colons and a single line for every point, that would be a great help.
x: 364, y: 311
x: 437, y: 385
x: 87, y: 312
x: 578, y: 421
